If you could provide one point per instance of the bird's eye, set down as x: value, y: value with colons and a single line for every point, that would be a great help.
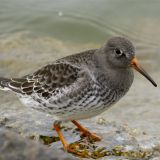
x: 118, y: 52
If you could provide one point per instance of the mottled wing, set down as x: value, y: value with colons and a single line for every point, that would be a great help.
x: 46, y: 79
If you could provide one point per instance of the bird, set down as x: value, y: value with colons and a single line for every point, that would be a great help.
x: 79, y: 86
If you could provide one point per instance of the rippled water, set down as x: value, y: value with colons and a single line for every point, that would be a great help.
x: 35, y: 32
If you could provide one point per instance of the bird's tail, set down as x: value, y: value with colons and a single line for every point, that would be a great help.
x: 4, y: 83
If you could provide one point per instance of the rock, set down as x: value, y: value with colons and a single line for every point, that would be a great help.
x: 13, y: 146
x: 119, y: 142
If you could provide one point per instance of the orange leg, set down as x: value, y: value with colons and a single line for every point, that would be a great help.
x: 86, y: 132
x: 67, y: 147
x: 58, y: 130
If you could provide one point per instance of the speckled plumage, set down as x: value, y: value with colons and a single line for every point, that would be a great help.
x: 78, y: 86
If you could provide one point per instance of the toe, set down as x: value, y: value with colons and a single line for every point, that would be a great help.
x: 76, y: 150
x: 92, y: 136
x: 95, y: 137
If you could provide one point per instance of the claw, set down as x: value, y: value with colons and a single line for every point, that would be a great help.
x: 75, y: 149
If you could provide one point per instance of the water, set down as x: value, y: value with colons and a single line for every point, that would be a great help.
x: 35, y: 32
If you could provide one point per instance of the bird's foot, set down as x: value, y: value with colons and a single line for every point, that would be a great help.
x: 92, y: 136
x: 76, y: 150
x: 86, y: 132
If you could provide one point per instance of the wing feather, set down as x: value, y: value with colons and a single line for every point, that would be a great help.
x: 46, y: 80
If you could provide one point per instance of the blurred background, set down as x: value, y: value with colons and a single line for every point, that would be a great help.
x: 35, y: 32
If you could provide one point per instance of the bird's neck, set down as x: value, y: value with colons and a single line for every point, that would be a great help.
x: 120, y: 78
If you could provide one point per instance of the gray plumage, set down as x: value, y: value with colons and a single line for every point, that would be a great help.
x: 78, y: 86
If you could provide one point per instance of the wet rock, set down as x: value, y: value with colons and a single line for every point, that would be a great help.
x: 119, y: 142
x: 13, y: 146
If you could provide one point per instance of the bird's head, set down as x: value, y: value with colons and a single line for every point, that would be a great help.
x: 119, y: 53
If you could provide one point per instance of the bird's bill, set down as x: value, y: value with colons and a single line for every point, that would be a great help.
x: 136, y: 66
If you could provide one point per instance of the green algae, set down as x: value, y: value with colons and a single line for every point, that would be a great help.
x: 48, y: 140
x: 91, y: 151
